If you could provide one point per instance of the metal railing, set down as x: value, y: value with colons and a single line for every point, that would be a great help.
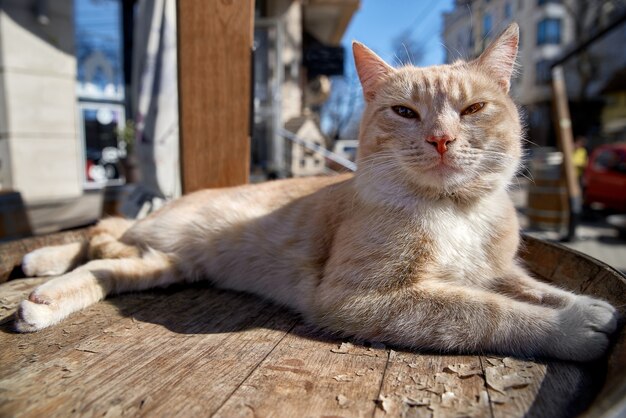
x: 344, y: 162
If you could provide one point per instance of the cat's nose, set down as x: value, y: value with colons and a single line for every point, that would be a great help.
x: 440, y: 142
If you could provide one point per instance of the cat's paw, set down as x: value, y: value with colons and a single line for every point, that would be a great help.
x: 584, y: 329
x: 36, y: 313
x: 46, y: 261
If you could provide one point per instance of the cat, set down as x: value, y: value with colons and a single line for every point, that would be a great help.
x: 416, y: 249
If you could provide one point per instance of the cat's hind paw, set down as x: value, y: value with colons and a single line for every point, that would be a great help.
x: 49, y: 261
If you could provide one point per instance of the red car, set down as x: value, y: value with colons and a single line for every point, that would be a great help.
x: 605, y: 178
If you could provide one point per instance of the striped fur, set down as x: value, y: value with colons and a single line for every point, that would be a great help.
x: 417, y: 249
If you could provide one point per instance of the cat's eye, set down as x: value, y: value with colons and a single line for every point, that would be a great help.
x: 405, y: 112
x: 473, y: 108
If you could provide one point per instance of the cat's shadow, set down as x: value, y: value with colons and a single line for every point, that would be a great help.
x: 201, y: 308
x: 566, y: 389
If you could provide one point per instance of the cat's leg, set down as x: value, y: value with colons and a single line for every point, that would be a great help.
x: 518, y: 284
x: 54, y: 260
x: 103, y: 242
x: 447, y: 317
x: 90, y: 283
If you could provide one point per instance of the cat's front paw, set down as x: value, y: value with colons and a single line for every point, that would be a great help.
x: 36, y: 313
x: 584, y: 329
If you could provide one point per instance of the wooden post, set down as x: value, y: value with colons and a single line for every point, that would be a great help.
x: 214, y: 72
x: 563, y: 124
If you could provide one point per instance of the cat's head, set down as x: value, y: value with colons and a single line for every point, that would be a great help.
x: 446, y: 131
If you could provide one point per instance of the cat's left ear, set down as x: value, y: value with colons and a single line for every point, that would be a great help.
x: 499, y: 57
x: 371, y: 68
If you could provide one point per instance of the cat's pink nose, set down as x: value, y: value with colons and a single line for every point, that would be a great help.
x: 440, y: 142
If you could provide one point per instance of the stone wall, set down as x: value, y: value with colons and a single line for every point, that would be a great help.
x: 39, y: 148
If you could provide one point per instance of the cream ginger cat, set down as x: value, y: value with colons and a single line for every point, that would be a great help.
x: 416, y: 249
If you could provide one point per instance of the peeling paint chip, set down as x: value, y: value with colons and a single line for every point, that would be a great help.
x: 343, y: 348
x: 343, y: 401
x: 447, y: 399
x: 500, y: 379
x: 416, y: 402
x: 463, y: 370
x: 87, y: 350
x: 343, y: 378
x: 494, y: 361
x: 517, y: 364
x: 383, y: 402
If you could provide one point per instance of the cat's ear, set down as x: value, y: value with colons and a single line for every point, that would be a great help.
x: 499, y: 57
x: 371, y: 69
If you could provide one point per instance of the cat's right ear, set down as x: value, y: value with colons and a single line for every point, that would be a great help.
x: 498, y: 59
x: 371, y: 68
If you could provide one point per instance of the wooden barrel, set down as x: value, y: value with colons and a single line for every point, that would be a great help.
x: 113, y: 198
x: 547, y: 207
x: 13, y: 218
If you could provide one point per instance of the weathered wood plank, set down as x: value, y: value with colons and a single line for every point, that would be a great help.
x: 214, y: 53
x: 195, y: 350
x: 540, y: 389
x: 308, y: 376
x: 428, y: 385
x: 167, y: 347
x: 541, y: 259
x: 19, y: 350
x: 12, y: 293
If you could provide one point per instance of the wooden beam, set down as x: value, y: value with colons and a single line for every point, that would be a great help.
x: 565, y: 139
x: 214, y: 72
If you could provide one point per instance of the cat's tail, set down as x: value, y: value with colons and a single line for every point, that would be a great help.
x: 104, y: 240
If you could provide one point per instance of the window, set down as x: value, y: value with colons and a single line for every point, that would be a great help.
x: 543, y: 74
x: 486, y: 25
x: 507, y: 11
x: 610, y: 160
x: 100, y: 91
x: 549, y: 32
x: 542, y: 2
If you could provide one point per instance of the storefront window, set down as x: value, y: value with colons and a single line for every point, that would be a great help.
x: 100, y: 90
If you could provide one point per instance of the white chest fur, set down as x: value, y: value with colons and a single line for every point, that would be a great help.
x: 460, y: 236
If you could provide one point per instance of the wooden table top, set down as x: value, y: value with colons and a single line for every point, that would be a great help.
x: 194, y: 350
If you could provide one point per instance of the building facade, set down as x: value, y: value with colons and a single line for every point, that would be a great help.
x: 548, y: 30
x: 65, y: 89
x: 545, y: 31
x: 38, y: 130
x: 288, y: 37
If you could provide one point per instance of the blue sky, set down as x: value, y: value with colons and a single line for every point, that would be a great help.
x: 377, y: 22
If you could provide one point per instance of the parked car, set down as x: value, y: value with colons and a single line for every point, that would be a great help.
x: 604, y: 179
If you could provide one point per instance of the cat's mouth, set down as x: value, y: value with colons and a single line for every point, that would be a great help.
x: 444, y: 165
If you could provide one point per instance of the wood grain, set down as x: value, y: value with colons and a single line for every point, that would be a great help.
x: 194, y: 350
x: 430, y: 385
x: 306, y: 376
x: 161, y: 353
x: 214, y: 55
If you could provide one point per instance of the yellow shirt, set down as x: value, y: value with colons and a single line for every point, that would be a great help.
x: 580, y: 160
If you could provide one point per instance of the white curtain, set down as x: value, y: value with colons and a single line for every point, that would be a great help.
x: 154, y: 97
